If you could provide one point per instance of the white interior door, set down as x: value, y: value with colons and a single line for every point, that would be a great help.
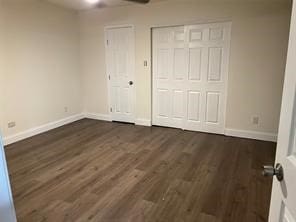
x: 283, y: 201
x: 7, y: 212
x: 120, y: 70
x: 190, y: 69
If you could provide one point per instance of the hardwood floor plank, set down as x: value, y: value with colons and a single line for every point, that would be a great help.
x: 214, y: 198
x: 111, y: 172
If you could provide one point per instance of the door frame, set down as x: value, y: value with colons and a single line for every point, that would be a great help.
x: 198, y: 22
x: 106, y: 28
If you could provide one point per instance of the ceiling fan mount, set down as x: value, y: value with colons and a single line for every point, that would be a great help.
x: 103, y: 3
x: 139, y: 1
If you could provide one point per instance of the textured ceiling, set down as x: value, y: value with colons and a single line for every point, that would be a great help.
x: 83, y: 5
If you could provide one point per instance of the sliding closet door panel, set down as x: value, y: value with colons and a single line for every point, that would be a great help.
x: 169, y: 72
x: 208, y: 47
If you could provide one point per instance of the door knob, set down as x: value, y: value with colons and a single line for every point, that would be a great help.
x: 131, y: 83
x: 270, y: 171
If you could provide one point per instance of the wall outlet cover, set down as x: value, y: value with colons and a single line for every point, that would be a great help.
x: 255, y: 120
x: 11, y: 124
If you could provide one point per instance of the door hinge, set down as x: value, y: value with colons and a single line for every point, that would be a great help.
x: 111, y: 109
x: 109, y: 77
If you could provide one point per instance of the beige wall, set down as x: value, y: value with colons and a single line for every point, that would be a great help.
x: 44, y: 60
x: 39, y: 65
x: 258, y: 52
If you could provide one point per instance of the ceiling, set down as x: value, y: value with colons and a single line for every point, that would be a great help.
x: 83, y: 5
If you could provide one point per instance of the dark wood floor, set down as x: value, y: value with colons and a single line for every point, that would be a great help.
x: 111, y: 172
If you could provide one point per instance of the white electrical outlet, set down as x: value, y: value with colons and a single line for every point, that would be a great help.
x: 66, y: 109
x: 11, y: 124
x: 255, y: 120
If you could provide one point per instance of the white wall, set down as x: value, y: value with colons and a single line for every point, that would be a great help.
x: 39, y: 65
x: 258, y: 51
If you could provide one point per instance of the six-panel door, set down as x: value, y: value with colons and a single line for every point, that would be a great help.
x: 120, y: 70
x: 283, y: 200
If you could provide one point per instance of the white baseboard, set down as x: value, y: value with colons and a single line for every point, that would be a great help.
x: 251, y: 135
x: 40, y: 129
x: 106, y: 117
x: 143, y: 122
x: 98, y: 116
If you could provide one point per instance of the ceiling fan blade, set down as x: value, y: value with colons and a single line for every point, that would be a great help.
x: 139, y: 1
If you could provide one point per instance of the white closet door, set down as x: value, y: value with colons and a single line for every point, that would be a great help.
x: 208, y: 47
x: 120, y: 68
x: 169, y: 73
x: 190, y: 66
